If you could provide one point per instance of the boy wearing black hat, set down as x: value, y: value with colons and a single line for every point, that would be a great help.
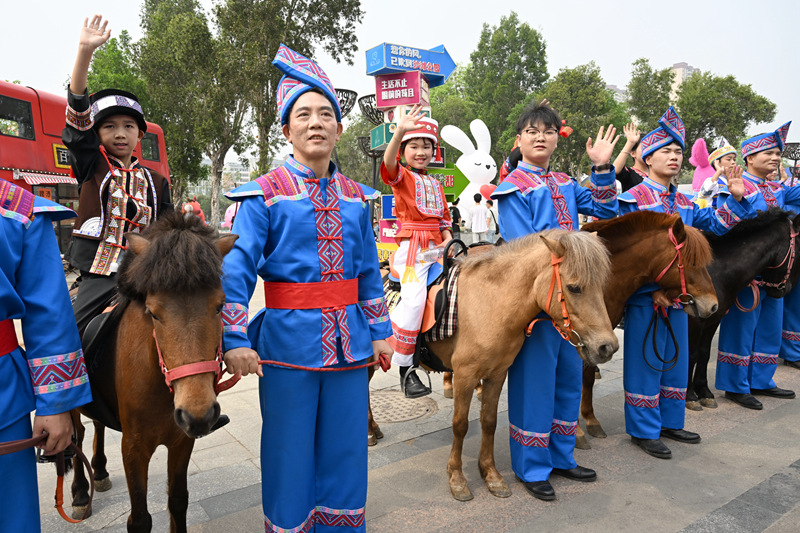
x: 117, y: 194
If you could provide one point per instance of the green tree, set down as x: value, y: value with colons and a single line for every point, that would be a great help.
x: 256, y: 28
x: 714, y: 106
x: 174, y: 55
x: 508, y: 65
x: 354, y: 163
x: 114, y: 65
x: 649, y: 93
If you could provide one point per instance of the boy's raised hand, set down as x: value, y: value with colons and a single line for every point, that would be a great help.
x: 95, y: 33
x: 600, y: 152
x: 632, y: 133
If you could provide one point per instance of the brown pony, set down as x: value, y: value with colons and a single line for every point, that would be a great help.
x: 169, y: 289
x: 640, y: 250
x: 491, y: 330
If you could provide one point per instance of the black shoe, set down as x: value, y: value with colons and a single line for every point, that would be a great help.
x: 221, y: 421
x: 540, y: 489
x: 793, y: 364
x: 579, y: 473
x: 411, y: 385
x: 775, y: 392
x: 653, y: 447
x: 680, y: 435
x: 745, y: 400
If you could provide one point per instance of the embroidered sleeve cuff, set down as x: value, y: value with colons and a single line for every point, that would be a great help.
x: 80, y: 120
x: 375, y: 310
x: 726, y: 216
x: 234, y: 318
x: 604, y: 194
x: 58, y: 372
x: 385, y: 175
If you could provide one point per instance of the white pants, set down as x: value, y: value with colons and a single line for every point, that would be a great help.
x: 407, y: 315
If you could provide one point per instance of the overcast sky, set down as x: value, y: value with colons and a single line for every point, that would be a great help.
x: 754, y: 41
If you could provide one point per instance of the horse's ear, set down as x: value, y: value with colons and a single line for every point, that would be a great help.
x: 225, y: 244
x: 136, y: 243
x: 555, y: 247
x: 678, y: 230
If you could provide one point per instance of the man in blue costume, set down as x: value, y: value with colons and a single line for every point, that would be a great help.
x: 48, y: 375
x: 790, y: 337
x: 544, y: 383
x: 306, y: 230
x: 655, y: 389
x: 749, y: 343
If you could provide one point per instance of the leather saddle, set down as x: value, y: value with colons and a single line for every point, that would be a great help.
x: 437, y: 301
x: 97, y: 337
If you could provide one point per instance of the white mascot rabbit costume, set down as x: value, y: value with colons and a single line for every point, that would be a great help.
x: 475, y: 161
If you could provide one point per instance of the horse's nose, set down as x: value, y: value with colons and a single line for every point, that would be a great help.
x: 196, y: 426
x: 606, y: 351
x: 714, y: 308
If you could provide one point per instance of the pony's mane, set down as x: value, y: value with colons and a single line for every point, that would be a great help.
x: 696, y: 251
x: 586, y: 259
x: 748, y: 226
x: 182, y: 257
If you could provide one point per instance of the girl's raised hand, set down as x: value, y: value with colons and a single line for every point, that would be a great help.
x: 410, y: 121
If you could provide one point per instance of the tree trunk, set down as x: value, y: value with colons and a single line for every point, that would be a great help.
x: 176, y: 190
x: 217, y: 162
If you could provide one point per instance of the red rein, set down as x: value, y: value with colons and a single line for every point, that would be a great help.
x: 215, y: 366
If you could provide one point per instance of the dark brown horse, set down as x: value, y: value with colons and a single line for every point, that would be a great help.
x: 760, y: 246
x: 641, y: 249
x: 170, y: 298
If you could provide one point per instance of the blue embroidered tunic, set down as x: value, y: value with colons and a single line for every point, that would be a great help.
x: 548, y: 200
x: 295, y: 228
x: 763, y: 194
x: 49, y: 375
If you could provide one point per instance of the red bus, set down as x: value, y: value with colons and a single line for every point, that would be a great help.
x: 33, y: 157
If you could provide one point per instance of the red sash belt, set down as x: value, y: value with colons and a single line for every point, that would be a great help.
x: 418, y: 240
x: 314, y: 295
x: 8, y: 337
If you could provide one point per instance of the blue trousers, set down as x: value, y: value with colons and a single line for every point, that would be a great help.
x: 749, y: 344
x: 654, y: 399
x: 314, y: 449
x: 790, y: 339
x: 544, y: 397
x: 19, y: 490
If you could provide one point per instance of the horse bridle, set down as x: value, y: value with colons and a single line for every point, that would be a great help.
x: 679, y: 258
x: 566, y: 331
x: 756, y: 283
x: 192, y: 369
x: 790, y: 255
x: 689, y: 300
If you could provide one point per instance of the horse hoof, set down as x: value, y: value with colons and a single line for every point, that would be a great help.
x: 371, y: 440
x: 378, y: 433
x: 479, y: 396
x: 102, y: 485
x: 582, y: 443
x: 448, y: 393
x: 499, y: 489
x: 79, y: 510
x: 694, y: 406
x: 597, y: 374
x: 461, y: 493
x: 711, y: 403
x: 596, y: 431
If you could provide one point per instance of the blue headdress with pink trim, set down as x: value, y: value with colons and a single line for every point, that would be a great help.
x: 670, y: 130
x: 765, y: 141
x: 300, y: 76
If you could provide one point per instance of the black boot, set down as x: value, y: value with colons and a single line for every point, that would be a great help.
x: 221, y: 421
x: 412, y: 386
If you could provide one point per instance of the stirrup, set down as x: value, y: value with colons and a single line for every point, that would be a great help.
x: 405, y: 378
